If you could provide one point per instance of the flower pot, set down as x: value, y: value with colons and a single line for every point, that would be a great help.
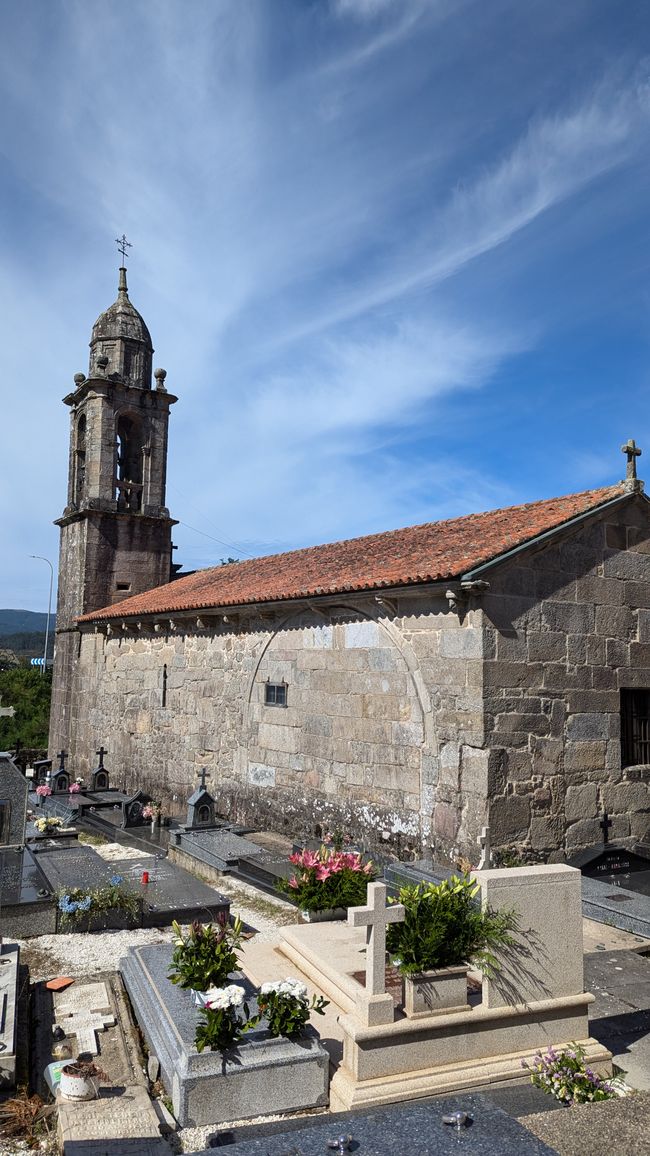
x: 325, y: 916
x: 76, y: 1087
x: 438, y: 992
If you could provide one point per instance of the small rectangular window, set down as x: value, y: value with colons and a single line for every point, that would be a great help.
x: 275, y: 694
x: 124, y: 585
x: 635, y: 728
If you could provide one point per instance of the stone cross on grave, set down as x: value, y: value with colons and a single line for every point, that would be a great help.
x: 62, y: 756
x: 631, y: 450
x: 483, y: 841
x: 84, y: 1011
x: 6, y: 711
x: 101, y: 752
x: 604, y: 825
x: 377, y: 1007
x: 204, y: 774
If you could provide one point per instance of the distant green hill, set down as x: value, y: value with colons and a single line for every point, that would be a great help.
x: 20, y: 621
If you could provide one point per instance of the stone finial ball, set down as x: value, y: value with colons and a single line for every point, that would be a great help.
x: 160, y: 375
x: 79, y: 377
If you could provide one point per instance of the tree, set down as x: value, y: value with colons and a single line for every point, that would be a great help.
x: 29, y: 692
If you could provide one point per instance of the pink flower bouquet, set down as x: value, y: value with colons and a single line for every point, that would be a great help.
x: 327, y: 879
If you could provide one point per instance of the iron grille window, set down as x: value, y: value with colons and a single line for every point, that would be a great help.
x: 275, y: 694
x: 635, y: 727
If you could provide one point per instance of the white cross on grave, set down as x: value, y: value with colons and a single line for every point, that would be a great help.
x: 78, y: 1011
x: 377, y: 1006
x: 483, y: 841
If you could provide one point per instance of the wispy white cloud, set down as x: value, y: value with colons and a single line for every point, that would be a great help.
x: 311, y: 202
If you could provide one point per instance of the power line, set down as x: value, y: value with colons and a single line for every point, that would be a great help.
x: 220, y: 541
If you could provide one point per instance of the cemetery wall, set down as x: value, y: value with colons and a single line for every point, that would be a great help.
x: 566, y: 627
x: 381, y: 735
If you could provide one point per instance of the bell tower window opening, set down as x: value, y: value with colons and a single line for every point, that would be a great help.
x: 128, y: 482
x: 80, y: 460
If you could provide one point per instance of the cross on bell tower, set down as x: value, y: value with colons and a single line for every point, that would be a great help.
x: 115, y: 511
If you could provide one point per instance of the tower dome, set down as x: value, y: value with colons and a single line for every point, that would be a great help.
x: 121, y: 336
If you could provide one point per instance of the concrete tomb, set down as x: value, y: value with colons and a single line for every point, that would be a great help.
x: 261, y: 1076
x: 14, y: 789
x: 535, y: 1000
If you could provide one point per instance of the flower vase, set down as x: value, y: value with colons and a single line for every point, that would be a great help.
x: 75, y: 1085
x: 153, y: 826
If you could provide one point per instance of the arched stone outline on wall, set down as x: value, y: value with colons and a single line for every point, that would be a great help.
x: 373, y: 614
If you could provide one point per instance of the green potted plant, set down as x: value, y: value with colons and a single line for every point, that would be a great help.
x: 326, y: 882
x: 205, y: 956
x: 285, y: 1005
x: 444, y: 930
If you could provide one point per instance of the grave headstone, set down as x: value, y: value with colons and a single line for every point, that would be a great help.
x: 201, y: 807
x: 99, y: 779
x: 377, y: 1006
x: 42, y: 771
x: 132, y: 809
x: 14, y: 789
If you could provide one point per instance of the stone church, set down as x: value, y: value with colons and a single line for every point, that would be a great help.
x: 407, y: 687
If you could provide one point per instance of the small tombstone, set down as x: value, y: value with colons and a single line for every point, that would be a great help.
x: 42, y: 771
x: 60, y: 780
x: 99, y: 780
x: 201, y: 805
x: 132, y: 809
x: 14, y: 789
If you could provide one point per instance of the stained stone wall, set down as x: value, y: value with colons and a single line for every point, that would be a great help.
x: 356, y: 745
x: 407, y: 722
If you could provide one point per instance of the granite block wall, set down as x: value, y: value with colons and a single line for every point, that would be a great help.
x: 565, y: 630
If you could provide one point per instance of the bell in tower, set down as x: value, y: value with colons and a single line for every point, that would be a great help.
x: 115, y: 528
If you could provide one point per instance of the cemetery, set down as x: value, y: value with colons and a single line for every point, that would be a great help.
x: 432, y: 1042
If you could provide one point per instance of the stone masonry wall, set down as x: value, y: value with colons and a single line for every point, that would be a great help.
x: 566, y: 627
x: 382, y: 734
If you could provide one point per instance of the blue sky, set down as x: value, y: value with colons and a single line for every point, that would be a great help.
x: 393, y: 255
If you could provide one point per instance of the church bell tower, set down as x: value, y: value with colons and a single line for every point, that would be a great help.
x: 115, y: 528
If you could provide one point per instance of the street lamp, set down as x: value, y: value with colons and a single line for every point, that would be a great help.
x: 49, y: 606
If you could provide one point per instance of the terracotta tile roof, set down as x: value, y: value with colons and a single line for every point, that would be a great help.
x: 435, y: 551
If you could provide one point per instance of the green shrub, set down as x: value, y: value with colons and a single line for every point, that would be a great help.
x: 446, y: 926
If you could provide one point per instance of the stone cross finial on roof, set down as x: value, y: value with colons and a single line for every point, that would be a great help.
x: 62, y: 756
x: 632, y: 452
x: 483, y: 841
x: 203, y: 774
x: 101, y: 752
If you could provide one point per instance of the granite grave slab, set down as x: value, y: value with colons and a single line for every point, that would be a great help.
x: 216, y: 848
x: 415, y: 1128
x: 260, y: 1076
x: 13, y: 802
x: 9, y: 959
x: 27, y: 904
